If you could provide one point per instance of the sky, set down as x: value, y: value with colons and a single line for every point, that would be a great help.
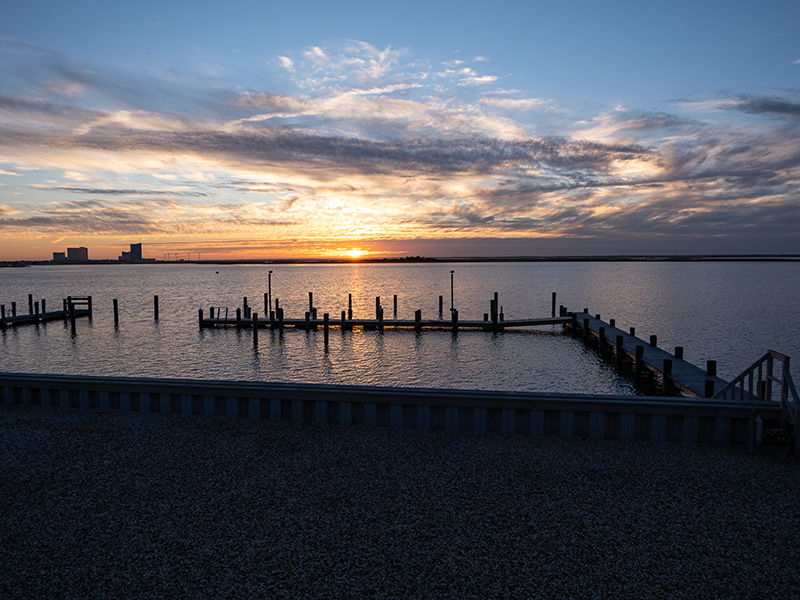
x: 267, y: 130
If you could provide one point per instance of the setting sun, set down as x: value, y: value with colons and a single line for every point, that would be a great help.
x: 356, y: 253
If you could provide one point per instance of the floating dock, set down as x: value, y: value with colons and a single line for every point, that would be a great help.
x: 73, y: 307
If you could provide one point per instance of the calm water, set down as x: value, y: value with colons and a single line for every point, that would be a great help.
x: 729, y: 312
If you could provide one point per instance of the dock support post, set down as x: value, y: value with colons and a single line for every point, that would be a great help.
x: 116, y: 313
x: 666, y: 376
x: 88, y: 300
x: 14, y: 309
x: 280, y: 317
x: 654, y: 340
x: 612, y: 322
x: 350, y: 306
x: 380, y: 318
x: 344, y: 319
x: 417, y: 320
x: 554, y: 304
x: 36, y: 310
x: 44, y: 306
x: 272, y: 319
x: 377, y: 307
x: 238, y: 318
x: 679, y: 352
x: 266, y: 303
x: 199, y: 314
x: 633, y: 331
x: 308, y: 321
x: 711, y: 368
x: 709, y: 391
x: 395, y: 306
x: 3, y: 314
x: 637, y: 365
x: 455, y: 320
x: 30, y: 304
x: 325, y: 327
x: 255, y: 329
x: 155, y: 308
x: 246, y: 309
x: 441, y: 305
x: 72, y: 317
x: 310, y: 301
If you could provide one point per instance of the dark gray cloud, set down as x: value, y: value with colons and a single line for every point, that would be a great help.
x: 764, y: 105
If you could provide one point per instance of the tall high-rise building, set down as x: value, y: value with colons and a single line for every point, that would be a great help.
x: 78, y: 254
x: 135, y: 254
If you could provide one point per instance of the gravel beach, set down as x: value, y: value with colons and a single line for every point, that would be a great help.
x: 128, y: 505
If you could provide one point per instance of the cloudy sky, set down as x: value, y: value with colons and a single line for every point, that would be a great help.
x: 316, y: 129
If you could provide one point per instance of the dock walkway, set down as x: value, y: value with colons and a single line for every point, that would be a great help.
x: 676, y: 372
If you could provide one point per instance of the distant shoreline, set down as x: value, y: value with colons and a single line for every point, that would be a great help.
x: 422, y: 259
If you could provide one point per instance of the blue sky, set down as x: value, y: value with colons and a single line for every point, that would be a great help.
x: 263, y: 129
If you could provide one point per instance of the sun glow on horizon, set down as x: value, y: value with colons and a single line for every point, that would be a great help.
x: 356, y: 253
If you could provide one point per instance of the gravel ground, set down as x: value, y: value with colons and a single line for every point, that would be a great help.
x: 127, y: 505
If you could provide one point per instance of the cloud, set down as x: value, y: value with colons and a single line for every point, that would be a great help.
x: 371, y: 144
x: 3, y: 172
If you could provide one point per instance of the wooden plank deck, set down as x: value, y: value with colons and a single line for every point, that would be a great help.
x: 685, y: 376
x: 38, y: 318
x: 386, y: 323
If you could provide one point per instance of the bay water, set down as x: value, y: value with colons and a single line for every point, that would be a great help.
x: 731, y: 312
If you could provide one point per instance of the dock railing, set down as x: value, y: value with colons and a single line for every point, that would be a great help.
x: 756, y: 383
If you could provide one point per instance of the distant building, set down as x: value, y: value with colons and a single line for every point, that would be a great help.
x: 59, y: 257
x: 78, y: 254
x: 134, y: 255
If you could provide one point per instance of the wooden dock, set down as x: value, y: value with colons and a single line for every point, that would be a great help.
x: 378, y: 324
x: 674, y: 372
x: 73, y: 307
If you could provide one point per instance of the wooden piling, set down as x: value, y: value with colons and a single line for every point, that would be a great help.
x: 116, y: 313
x: 36, y: 310
x: 44, y: 306
x: 633, y: 331
x: 89, y: 306
x: 255, y: 329
x: 679, y: 352
x: 666, y: 371
x: 350, y: 306
x: 30, y: 304
x: 266, y: 303
x: 325, y: 328
x: 709, y: 388
x: 441, y: 306
x: 246, y: 309
x: 308, y: 321
x: 310, y: 301
x: 279, y: 312
x: 238, y: 318
x: 418, y: 320
x: 72, y: 317
x: 344, y: 319
x: 199, y: 314
x: 654, y: 340
x: 637, y: 364
x: 711, y: 368
x: 380, y: 318
x: 454, y: 319
x: 612, y: 322
x: 155, y: 308
x: 395, y: 306
x: 13, y: 309
x: 377, y: 306
x: 554, y: 304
